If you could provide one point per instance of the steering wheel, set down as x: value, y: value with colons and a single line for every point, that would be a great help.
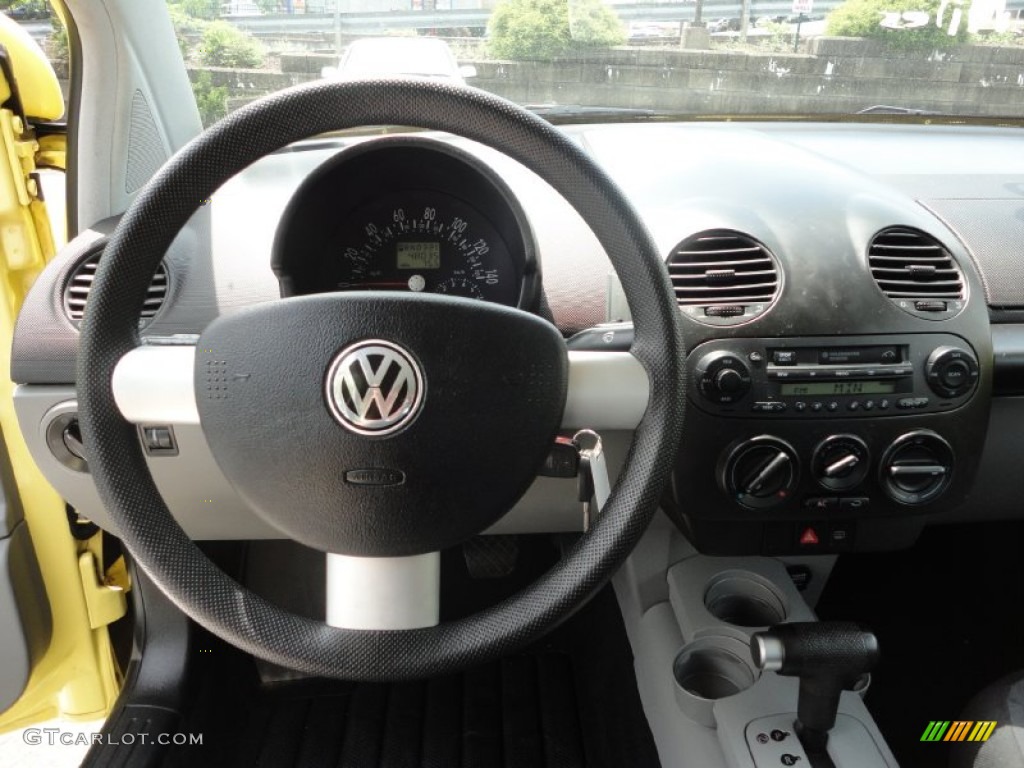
x: 379, y: 428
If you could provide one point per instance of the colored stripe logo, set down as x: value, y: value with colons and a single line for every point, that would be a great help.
x: 959, y: 730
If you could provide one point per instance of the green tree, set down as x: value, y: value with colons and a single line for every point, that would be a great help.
x: 226, y: 46
x: 863, y: 18
x: 545, y: 29
x: 188, y: 29
x: 211, y: 100
x: 200, y: 9
x: 37, y: 9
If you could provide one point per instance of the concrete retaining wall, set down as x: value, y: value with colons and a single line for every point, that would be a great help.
x: 841, y: 75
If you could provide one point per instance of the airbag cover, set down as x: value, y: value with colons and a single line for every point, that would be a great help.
x: 476, y: 392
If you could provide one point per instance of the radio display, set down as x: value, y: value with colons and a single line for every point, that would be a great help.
x: 838, y: 388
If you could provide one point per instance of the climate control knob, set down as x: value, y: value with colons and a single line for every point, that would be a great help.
x: 951, y: 371
x: 840, y: 462
x: 723, y: 377
x: 917, y: 467
x: 760, y: 473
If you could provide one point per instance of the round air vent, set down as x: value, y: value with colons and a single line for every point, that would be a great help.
x: 76, y: 293
x: 722, y: 277
x: 917, y: 273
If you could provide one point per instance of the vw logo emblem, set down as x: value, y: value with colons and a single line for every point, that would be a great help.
x: 374, y: 387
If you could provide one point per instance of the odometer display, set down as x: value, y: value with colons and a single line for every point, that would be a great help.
x: 418, y: 255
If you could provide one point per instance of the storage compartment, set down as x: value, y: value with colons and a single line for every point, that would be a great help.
x: 711, y: 668
x: 744, y: 599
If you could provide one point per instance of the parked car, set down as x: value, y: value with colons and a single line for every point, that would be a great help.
x: 420, y: 56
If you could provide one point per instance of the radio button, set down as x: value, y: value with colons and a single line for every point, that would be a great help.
x: 784, y: 357
x: 853, y: 405
x: 768, y: 406
x: 833, y: 406
x: 906, y: 402
x: 800, y: 406
x: 883, y: 404
x: 816, y: 406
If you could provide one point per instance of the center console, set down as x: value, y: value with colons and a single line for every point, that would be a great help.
x: 826, y: 444
x: 712, y: 699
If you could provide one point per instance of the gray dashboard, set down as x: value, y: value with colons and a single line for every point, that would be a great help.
x: 814, y: 195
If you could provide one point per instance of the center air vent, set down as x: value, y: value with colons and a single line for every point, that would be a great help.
x: 722, y: 277
x: 77, y: 291
x: 917, y: 273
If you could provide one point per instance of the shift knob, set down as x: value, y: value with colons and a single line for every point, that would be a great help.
x: 828, y: 657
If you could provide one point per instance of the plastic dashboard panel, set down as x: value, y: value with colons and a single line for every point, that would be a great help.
x: 793, y: 187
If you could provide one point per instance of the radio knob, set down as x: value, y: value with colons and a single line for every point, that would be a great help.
x: 951, y: 371
x: 729, y: 381
x: 723, y: 377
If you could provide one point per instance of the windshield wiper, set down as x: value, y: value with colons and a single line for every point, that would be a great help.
x: 556, y: 113
x: 885, y: 109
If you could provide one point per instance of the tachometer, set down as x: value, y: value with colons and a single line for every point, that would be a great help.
x: 424, y: 241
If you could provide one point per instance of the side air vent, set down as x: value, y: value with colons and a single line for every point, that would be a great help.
x: 916, y: 272
x: 722, y: 277
x: 78, y: 287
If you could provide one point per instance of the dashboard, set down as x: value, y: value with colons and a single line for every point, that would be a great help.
x: 852, y: 297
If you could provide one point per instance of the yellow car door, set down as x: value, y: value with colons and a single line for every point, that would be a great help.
x: 55, y: 600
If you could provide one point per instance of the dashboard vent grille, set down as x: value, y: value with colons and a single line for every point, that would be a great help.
x: 723, y: 277
x: 916, y: 271
x: 78, y: 287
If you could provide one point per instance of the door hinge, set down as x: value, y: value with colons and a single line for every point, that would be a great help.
x: 104, y: 598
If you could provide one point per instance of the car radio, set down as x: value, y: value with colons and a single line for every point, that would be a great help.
x: 838, y: 377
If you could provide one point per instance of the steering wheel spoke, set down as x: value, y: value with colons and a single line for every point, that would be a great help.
x: 377, y: 593
x: 155, y: 385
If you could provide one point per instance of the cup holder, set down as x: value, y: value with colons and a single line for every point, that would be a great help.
x: 744, y: 599
x: 711, y: 668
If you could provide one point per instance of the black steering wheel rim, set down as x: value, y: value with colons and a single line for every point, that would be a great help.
x: 110, y: 330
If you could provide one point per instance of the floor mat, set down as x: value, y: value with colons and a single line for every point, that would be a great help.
x: 949, y: 622
x: 569, y: 701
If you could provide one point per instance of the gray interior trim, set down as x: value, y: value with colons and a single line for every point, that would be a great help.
x: 25, y: 618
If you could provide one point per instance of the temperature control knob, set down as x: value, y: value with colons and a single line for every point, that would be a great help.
x: 761, y: 472
x: 917, y: 467
x: 723, y: 377
x: 840, y: 462
x: 951, y: 371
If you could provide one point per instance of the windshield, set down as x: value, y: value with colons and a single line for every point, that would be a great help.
x: 594, y: 59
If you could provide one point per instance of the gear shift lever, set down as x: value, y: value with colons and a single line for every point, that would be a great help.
x: 828, y: 657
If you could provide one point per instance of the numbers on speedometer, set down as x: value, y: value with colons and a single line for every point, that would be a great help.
x: 424, y: 241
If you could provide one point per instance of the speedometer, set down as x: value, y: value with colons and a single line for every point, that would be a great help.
x: 423, y: 241
x: 407, y: 213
